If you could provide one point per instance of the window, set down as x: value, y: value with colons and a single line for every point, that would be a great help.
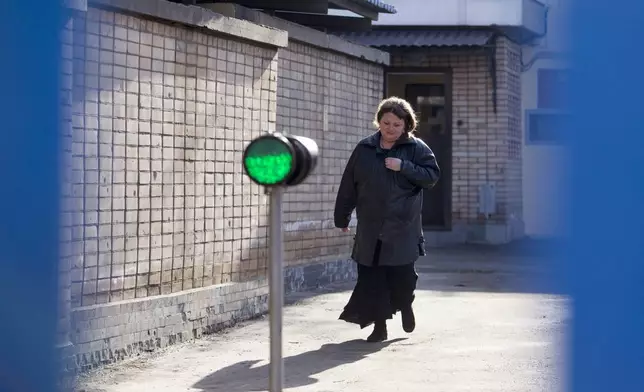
x: 552, y: 89
x: 547, y: 125
x: 431, y: 111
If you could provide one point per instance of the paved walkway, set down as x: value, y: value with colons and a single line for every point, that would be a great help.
x: 483, y: 326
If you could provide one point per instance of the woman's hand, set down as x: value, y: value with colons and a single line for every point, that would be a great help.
x: 345, y: 230
x: 393, y: 164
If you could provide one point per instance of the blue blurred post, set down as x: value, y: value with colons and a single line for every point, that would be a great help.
x: 605, y: 269
x: 29, y: 193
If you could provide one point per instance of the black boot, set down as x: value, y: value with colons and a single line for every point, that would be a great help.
x: 408, y: 319
x: 379, y: 333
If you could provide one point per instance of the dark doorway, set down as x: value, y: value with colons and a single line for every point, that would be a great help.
x: 432, y: 104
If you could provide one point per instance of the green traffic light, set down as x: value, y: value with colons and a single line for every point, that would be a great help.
x: 269, y: 160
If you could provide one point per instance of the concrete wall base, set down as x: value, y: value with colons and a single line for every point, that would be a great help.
x: 476, y: 233
x: 108, y: 333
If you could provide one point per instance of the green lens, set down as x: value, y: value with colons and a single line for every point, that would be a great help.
x: 268, y: 161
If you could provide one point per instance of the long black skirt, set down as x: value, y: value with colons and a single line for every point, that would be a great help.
x: 380, y: 292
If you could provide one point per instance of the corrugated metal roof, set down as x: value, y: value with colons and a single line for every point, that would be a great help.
x: 419, y: 38
x: 382, y: 7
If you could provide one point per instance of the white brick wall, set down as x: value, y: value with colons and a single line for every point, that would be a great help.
x: 331, y: 98
x: 487, y: 147
x: 161, y: 117
x: 164, y: 238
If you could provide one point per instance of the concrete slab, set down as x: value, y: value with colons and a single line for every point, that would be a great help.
x: 482, y: 326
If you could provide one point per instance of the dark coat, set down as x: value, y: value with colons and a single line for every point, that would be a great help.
x: 388, y: 204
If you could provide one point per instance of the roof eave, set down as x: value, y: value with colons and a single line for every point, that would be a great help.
x: 366, y: 8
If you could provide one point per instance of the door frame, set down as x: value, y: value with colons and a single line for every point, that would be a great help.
x: 446, y: 170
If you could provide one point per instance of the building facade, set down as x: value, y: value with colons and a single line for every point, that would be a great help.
x: 164, y: 237
x: 460, y: 66
x: 470, y: 115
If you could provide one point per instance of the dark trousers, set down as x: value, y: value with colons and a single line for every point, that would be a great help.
x: 380, y: 292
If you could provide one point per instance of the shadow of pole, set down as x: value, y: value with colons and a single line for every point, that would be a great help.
x: 299, y: 369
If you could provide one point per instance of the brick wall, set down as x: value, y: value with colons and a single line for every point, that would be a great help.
x: 510, y: 92
x: 156, y: 202
x: 161, y: 115
x: 486, y: 148
x: 331, y: 98
x: 163, y: 236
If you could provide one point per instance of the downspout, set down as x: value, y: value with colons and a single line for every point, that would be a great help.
x: 492, y: 67
x: 543, y: 55
x: 526, y: 67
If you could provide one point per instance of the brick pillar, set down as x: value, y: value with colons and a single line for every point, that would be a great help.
x: 509, y: 117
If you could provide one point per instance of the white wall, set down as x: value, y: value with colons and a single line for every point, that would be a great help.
x: 544, y: 171
x: 545, y: 166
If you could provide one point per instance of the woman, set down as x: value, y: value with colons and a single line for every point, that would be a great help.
x: 383, y: 181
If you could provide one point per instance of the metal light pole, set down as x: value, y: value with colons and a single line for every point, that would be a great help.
x: 276, y: 287
x: 277, y: 161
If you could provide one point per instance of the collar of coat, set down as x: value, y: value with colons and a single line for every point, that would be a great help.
x: 374, y: 140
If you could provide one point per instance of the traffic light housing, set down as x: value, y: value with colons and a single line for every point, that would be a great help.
x: 276, y: 159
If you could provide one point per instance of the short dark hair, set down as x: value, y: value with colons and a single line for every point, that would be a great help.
x: 401, y: 109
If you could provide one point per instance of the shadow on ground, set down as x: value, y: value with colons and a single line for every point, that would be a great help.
x: 245, y: 377
x: 523, y: 267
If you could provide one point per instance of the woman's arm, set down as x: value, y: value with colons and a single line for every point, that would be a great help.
x: 423, y: 170
x: 345, y: 201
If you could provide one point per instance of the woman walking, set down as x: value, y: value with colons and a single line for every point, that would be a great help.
x: 383, y: 181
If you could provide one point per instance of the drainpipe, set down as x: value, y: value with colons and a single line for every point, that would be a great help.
x: 539, y: 56
x: 492, y: 67
x: 526, y: 66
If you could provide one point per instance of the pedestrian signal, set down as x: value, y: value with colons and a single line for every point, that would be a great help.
x: 280, y: 160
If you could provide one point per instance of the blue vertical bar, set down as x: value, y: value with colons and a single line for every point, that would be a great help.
x: 29, y: 193
x: 605, y: 268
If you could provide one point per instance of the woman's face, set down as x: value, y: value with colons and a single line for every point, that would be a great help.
x: 391, y: 127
